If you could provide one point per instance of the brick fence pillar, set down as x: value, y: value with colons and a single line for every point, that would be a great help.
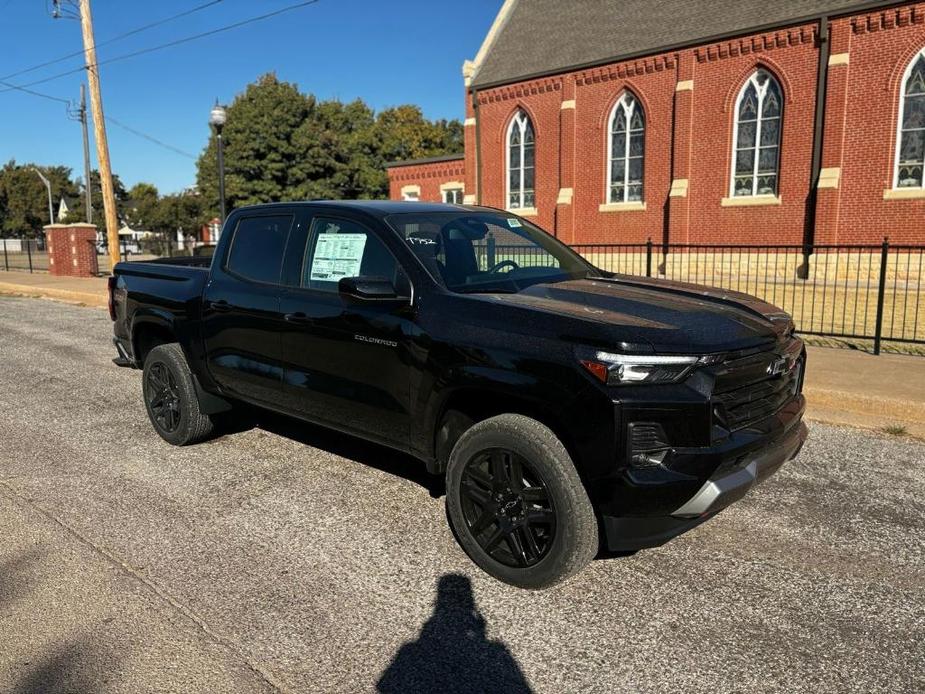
x: 72, y: 250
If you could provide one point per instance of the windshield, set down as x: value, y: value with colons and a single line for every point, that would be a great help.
x: 469, y: 252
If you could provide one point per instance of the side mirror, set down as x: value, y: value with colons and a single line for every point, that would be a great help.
x: 367, y: 288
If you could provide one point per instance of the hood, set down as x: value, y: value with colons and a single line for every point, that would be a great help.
x: 661, y: 315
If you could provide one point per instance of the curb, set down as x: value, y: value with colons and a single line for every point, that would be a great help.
x: 867, y: 412
x: 67, y: 295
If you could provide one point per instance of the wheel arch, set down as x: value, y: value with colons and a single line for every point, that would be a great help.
x: 465, y: 406
x: 151, y: 328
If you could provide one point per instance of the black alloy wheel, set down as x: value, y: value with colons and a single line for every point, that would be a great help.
x: 507, y: 508
x: 163, y: 397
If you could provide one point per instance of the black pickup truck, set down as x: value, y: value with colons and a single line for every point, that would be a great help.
x: 572, y: 411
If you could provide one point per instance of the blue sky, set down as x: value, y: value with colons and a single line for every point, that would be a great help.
x: 385, y: 52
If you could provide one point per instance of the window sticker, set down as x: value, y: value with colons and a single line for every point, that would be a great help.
x: 337, y: 256
x: 513, y: 223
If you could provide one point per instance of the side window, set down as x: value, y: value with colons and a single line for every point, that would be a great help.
x: 257, y: 247
x: 339, y: 248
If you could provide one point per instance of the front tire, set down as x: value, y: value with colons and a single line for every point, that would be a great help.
x: 517, y: 505
x: 170, y: 397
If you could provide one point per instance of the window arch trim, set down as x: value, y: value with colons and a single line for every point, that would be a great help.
x: 900, y: 117
x: 756, y: 144
x: 525, y: 194
x: 628, y: 189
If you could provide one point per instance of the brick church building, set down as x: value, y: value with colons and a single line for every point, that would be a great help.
x: 694, y: 121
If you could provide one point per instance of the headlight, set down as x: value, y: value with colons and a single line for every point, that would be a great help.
x: 629, y: 369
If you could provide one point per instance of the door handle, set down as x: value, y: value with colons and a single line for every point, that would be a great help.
x: 220, y: 305
x: 297, y: 317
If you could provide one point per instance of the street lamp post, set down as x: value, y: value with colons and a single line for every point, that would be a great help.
x: 51, y: 207
x: 217, y: 119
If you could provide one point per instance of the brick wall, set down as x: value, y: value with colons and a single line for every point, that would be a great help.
x: 689, y: 98
x: 426, y: 178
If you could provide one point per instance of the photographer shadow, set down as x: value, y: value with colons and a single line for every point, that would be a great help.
x: 452, y: 652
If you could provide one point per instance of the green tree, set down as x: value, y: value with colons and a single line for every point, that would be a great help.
x: 141, y: 208
x: 24, y: 198
x: 281, y: 144
x: 78, y: 213
x: 259, y: 151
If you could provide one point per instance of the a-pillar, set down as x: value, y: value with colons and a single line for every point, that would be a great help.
x: 679, y: 218
x: 72, y: 250
x: 828, y: 192
x: 565, y: 215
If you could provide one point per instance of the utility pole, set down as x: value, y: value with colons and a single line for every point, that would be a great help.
x: 99, y: 131
x: 80, y: 114
x: 88, y: 192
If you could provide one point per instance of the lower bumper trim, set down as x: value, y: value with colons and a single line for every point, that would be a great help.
x: 718, y: 493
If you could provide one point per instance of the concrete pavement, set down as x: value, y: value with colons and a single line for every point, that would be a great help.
x: 90, y: 291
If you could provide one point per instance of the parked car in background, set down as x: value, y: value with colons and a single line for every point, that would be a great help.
x: 570, y: 410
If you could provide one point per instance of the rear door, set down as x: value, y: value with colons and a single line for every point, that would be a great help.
x: 241, y: 318
x: 347, y: 362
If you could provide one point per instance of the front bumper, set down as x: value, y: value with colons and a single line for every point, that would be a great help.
x: 735, y: 475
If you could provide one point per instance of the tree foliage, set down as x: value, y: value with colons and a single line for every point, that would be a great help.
x: 281, y: 144
x: 24, y: 198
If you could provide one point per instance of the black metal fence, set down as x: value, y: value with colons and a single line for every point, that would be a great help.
x: 30, y: 255
x: 856, y: 292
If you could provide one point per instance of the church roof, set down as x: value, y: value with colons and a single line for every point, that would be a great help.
x: 531, y: 38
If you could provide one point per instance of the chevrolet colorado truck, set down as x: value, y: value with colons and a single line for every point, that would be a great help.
x: 571, y: 410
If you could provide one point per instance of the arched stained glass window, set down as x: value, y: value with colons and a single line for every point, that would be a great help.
x: 910, y: 155
x: 520, y: 162
x: 626, y: 150
x: 756, y: 137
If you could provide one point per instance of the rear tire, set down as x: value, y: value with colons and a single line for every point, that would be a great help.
x: 517, y: 505
x: 170, y: 397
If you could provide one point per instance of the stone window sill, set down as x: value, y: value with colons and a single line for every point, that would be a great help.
x: 904, y: 194
x: 523, y: 211
x: 635, y: 206
x: 751, y: 201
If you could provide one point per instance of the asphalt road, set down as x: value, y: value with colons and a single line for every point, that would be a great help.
x: 282, y: 558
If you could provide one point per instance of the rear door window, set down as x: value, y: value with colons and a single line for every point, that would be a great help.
x: 257, y: 248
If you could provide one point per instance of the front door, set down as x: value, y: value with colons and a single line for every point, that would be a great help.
x: 347, y: 360
x: 241, y: 318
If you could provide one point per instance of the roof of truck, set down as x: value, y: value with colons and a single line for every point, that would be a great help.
x: 378, y: 208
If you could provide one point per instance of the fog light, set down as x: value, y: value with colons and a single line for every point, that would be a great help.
x: 648, y: 444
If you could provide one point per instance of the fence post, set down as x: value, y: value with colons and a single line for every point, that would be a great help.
x: 6, y: 258
x: 491, y: 250
x: 29, y: 252
x: 649, y: 257
x: 881, y: 294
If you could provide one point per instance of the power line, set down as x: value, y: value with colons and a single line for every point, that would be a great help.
x: 33, y: 92
x: 150, y: 138
x: 169, y: 44
x: 110, y: 119
x: 113, y: 39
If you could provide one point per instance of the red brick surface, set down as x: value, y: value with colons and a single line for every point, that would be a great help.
x: 428, y: 176
x: 72, y: 250
x: 689, y: 136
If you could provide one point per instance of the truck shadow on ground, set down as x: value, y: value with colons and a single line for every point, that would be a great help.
x: 356, y: 449
x: 452, y: 653
x: 344, y: 445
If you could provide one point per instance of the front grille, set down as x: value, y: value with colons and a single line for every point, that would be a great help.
x: 749, y: 390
